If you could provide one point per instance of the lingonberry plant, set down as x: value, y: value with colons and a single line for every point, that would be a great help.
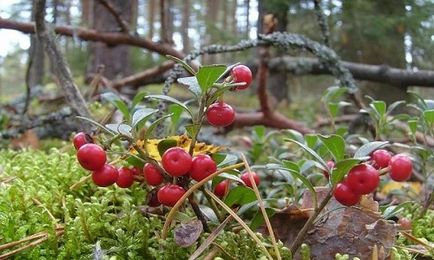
x: 182, y: 170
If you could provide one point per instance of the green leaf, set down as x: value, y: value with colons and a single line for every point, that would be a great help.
x: 97, y: 124
x: 137, y: 98
x: 311, y: 140
x: 310, y: 151
x: 142, y: 114
x: 223, y: 159
x: 230, y: 177
x: 118, y: 103
x: 412, y: 124
x: 391, y: 211
x: 208, y: 75
x: 176, y: 111
x: 154, y: 125
x: 165, y: 144
x: 342, y: 168
x: 292, y: 166
x: 332, y: 94
x: 192, y: 84
x: 240, y: 195
x: 295, y: 135
x: 122, y: 129
x: 259, y: 132
x: 183, y: 63
x: 333, y: 108
x: 335, y: 144
x: 171, y: 100
x: 428, y: 115
x: 379, y: 106
x: 394, y: 105
x: 367, y: 149
x: 258, y: 219
x: 192, y: 129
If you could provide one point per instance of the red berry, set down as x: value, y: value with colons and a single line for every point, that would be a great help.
x: 176, y: 161
x: 81, y: 139
x: 152, y: 175
x: 201, y: 167
x: 91, y: 157
x: 220, y: 114
x: 330, y: 165
x: 400, y: 167
x: 404, y: 223
x: 105, y: 176
x: 170, y: 194
x: 363, y: 179
x: 381, y: 158
x: 344, y: 195
x: 221, y: 188
x: 242, y: 73
x: 246, y: 179
x: 126, y: 177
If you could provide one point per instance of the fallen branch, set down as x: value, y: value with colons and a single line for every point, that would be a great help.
x: 110, y: 38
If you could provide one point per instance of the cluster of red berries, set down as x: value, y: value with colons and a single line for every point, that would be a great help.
x: 222, y: 114
x: 364, y: 178
x: 92, y: 157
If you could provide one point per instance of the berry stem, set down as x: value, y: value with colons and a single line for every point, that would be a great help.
x: 384, y: 171
x: 198, y: 213
x: 303, y: 232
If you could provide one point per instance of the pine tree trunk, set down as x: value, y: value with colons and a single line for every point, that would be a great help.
x: 151, y: 18
x: 36, y: 59
x: 115, y: 59
x: 184, y: 25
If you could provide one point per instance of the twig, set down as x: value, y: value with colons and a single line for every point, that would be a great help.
x: 307, y: 226
x: 59, y: 64
x: 121, y: 22
x: 198, y: 213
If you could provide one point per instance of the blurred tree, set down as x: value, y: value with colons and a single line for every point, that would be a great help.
x: 116, y: 59
x: 373, y: 33
x: 185, y: 24
x: 36, y: 60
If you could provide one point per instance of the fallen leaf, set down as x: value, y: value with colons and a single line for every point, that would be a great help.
x: 187, y: 233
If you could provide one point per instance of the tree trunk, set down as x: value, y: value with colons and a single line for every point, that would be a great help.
x: 36, y: 59
x: 115, y: 59
x: 151, y: 18
x: 360, y: 44
x: 277, y: 81
x: 185, y: 25
x: 166, y: 21
x: 247, y: 4
x: 211, y: 17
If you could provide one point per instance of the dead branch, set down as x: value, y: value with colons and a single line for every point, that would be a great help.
x: 110, y: 38
x: 59, y: 64
x: 111, y: 9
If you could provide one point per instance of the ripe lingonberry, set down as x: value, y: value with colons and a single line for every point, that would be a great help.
x: 91, y: 157
x: 81, y: 139
x: 152, y: 175
x: 221, y: 188
x: 105, y: 176
x: 363, y: 179
x: 246, y: 179
x: 242, y: 73
x: 201, y: 167
x: 330, y: 165
x: 126, y: 177
x: 176, y: 161
x: 220, y: 114
x: 400, y: 167
x: 381, y: 158
x: 344, y: 195
x: 169, y: 194
x: 404, y: 224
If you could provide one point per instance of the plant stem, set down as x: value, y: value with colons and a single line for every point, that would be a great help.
x: 262, y: 207
x: 190, y: 191
x: 212, y: 205
x: 303, y: 232
x: 198, y: 213
x: 428, y: 203
x: 197, y: 122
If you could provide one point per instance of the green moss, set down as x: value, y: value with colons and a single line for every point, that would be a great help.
x: 103, y: 221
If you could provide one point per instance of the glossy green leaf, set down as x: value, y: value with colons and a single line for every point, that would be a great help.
x: 367, y: 149
x: 171, y: 100
x: 182, y: 63
x: 342, y: 168
x: 192, y: 84
x: 379, y: 106
x: 176, y: 111
x: 122, y: 129
x: 334, y: 93
x: 258, y: 219
x: 208, y: 75
x: 335, y: 144
x: 412, y: 124
x: 223, y: 159
x: 154, y: 124
x: 192, y: 129
x: 138, y: 98
x: 118, y: 103
x: 142, y: 114
x: 428, y: 115
x: 240, y: 195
